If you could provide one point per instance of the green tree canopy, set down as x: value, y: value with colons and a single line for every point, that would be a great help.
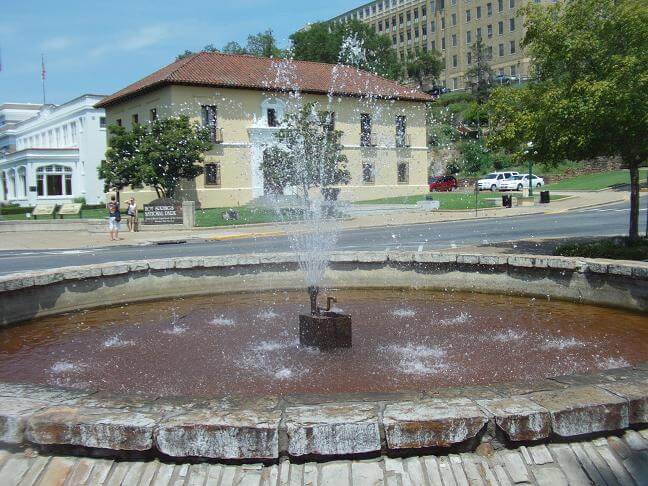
x: 426, y: 65
x: 159, y: 155
x: 327, y: 42
x: 479, y: 76
x: 590, y: 97
x: 307, y: 153
x: 263, y: 44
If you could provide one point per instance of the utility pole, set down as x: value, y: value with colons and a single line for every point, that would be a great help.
x: 43, y: 76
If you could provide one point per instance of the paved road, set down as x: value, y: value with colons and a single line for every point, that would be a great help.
x: 609, y: 220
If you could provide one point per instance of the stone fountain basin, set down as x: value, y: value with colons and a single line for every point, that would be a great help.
x: 346, y: 425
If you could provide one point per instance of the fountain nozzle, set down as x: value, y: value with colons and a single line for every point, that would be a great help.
x: 313, y: 291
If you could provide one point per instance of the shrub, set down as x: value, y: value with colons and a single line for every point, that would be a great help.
x: 618, y: 248
x: 476, y: 158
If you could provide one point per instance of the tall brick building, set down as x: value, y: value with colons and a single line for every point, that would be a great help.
x: 451, y: 27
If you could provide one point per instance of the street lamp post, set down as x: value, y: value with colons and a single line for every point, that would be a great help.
x: 528, y: 152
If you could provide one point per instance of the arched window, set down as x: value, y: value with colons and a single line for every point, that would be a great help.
x: 22, y: 182
x: 54, y: 180
x: 12, y: 184
x: 3, y: 186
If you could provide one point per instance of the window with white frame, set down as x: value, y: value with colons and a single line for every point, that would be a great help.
x: 54, y: 180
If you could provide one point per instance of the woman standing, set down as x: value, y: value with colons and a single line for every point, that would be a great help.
x: 131, y: 213
x: 114, y: 217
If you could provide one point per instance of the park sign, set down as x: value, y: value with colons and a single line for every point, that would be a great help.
x: 163, y: 211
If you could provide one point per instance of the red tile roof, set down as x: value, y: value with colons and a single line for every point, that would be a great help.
x: 258, y: 73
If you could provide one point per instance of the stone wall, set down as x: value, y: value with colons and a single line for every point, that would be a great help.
x: 33, y: 294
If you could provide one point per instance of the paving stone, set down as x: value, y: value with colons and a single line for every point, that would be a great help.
x: 635, y: 441
x: 118, y: 474
x: 432, y: 469
x: 540, y: 454
x: 364, y: 473
x: 552, y: 476
x: 100, y: 472
x: 37, y: 466
x: 335, y: 473
x: 500, y: 474
x: 620, y: 447
x: 525, y: 454
x: 14, y: 470
x: 637, y: 466
x: 616, y: 466
x: 221, y: 434
x: 14, y: 413
x: 601, y: 465
x: 414, y: 470
x: 583, y: 410
x: 81, y: 472
x: 332, y: 429
x: 587, y: 465
x: 637, y: 396
x: 569, y: 464
x: 164, y: 474
x: 445, y: 470
x: 432, y: 423
x: 133, y: 474
x: 56, y: 472
x: 519, y: 418
x: 458, y: 470
x: 92, y: 427
x: 471, y: 469
x: 310, y: 474
x: 487, y: 472
x: 515, y: 467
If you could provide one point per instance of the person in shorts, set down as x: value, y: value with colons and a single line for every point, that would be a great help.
x: 114, y: 218
x: 131, y: 214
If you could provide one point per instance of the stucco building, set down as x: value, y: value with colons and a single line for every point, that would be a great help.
x: 243, y: 99
x: 451, y: 27
x: 51, y: 153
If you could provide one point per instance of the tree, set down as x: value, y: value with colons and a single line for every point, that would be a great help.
x: 479, y: 76
x: 307, y: 153
x: 589, y: 98
x: 159, y: 155
x: 425, y: 65
x: 233, y: 47
x: 123, y: 164
x: 263, y: 44
x: 364, y: 48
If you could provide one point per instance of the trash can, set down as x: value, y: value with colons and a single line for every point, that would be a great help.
x: 507, y: 201
x: 544, y: 197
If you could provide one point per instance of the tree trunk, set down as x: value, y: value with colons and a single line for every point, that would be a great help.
x: 633, y: 233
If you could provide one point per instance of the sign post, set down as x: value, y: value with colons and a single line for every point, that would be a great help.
x: 163, y: 211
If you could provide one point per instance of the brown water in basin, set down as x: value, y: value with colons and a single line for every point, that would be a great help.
x: 247, y: 344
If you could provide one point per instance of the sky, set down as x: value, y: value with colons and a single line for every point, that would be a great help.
x: 101, y: 46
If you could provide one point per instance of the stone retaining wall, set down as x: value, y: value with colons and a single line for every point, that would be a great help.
x: 34, y: 294
x: 323, y: 427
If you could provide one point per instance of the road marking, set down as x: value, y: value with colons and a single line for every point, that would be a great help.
x: 556, y: 211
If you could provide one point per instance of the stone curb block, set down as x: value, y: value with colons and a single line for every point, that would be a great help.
x: 161, y: 264
x: 332, y: 429
x: 519, y: 418
x: 189, y: 262
x: 597, y: 267
x: 468, y: 259
x: 583, y: 410
x: 120, y: 268
x: 427, y: 257
x: 637, y: 396
x: 220, y: 434
x: 14, y: 414
x: 92, y: 427
x: 521, y: 261
x: 493, y: 260
x: 401, y: 256
x: 432, y: 423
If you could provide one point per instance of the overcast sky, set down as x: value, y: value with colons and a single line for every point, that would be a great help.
x: 100, y: 46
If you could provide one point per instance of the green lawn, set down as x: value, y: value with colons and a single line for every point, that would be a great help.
x: 451, y: 200
x: 594, y: 182
x: 247, y: 215
x: 86, y: 214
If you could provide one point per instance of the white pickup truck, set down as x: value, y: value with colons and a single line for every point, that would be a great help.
x: 493, y: 180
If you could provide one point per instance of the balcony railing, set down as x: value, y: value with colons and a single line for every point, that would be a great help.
x: 368, y: 140
x: 217, y: 135
x: 403, y: 140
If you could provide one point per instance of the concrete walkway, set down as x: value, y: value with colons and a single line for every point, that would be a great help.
x: 605, y: 461
x: 38, y: 240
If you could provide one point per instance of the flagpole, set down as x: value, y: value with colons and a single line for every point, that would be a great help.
x: 43, y: 76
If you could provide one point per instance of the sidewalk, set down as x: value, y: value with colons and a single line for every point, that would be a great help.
x: 613, y: 460
x: 82, y: 240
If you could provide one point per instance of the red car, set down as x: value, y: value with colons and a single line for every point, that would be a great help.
x: 443, y: 183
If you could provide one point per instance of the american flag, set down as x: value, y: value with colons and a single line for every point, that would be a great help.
x: 43, y: 71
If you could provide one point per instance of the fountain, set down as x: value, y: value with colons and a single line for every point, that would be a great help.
x: 323, y: 328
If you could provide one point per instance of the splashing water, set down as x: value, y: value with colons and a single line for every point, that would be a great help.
x: 462, y: 318
x: 116, y: 341
x: 403, y: 313
x: 65, y: 367
x: 562, y: 343
x: 222, y: 321
x: 612, y: 363
x: 510, y: 335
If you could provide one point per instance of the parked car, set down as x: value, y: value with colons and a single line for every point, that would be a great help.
x: 493, y: 180
x: 519, y: 182
x: 438, y: 90
x: 504, y: 79
x: 443, y: 183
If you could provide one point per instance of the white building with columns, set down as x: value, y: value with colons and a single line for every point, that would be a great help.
x: 51, y: 153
